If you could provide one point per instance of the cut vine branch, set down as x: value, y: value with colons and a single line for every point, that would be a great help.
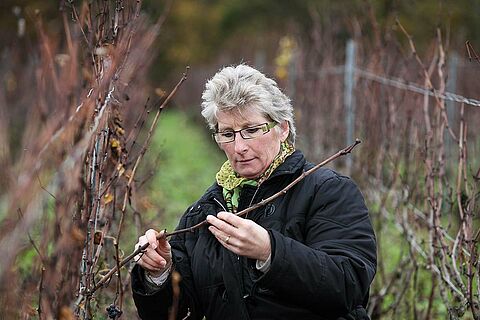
x: 146, y: 144
x: 139, y: 250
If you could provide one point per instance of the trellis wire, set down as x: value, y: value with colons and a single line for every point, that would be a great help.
x: 401, y: 84
x: 405, y: 85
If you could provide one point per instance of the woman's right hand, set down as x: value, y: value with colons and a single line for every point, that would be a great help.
x: 158, y: 256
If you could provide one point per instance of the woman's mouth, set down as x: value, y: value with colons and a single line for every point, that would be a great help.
x: 246, y: 161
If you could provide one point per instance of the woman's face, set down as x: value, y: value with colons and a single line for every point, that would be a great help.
x: 250, y: 157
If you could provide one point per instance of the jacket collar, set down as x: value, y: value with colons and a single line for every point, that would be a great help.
x: 292, y: 164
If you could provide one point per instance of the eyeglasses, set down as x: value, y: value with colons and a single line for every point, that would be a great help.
x: 246, y: 133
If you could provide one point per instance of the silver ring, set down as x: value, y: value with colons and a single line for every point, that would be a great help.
x: 226, y: 239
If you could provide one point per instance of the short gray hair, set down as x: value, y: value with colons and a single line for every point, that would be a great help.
x: 239, y: 87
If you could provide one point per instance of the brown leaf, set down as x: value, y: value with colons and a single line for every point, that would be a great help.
x: 97, y: 238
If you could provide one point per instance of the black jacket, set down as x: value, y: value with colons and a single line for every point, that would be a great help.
x: 323, y: 255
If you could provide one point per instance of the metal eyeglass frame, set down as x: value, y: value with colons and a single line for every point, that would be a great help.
x: 265, y: 127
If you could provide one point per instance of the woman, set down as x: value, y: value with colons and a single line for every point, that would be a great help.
x: 309, y: 254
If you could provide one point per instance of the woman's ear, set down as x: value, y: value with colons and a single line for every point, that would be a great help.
x: 284, y: 130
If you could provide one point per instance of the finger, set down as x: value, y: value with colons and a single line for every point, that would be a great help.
x: 230, y: 245
x: 141, y: 242
x: 163, y: 244
x: 230, y: 218
x: 137, y: 257
x: 225, y: 239
x: 155, y: 256
x: 217, y: 233
x: 149, y: 267
x: 154, y: 260
x: 140, y: 254
x: 161, y: 235
x: 221, y: 225
x: 158, y: 242
x: 151, y: 236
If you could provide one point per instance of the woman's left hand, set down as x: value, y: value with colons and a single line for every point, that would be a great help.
x: 241, y: 236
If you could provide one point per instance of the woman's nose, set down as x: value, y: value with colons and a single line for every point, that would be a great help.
x: 241, y: 144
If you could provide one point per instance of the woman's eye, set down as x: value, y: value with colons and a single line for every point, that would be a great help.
x: 227, y: 134
x: 252, y: 130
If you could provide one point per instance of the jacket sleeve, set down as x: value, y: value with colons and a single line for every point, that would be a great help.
x: 156, y: 304
x: 332, y: 269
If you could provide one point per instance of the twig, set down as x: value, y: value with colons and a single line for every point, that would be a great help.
x: 132, y: 139
x: 431, y: 297
x: 404, y: 227
x: 188, y: 314
x: 145, y: 146
x: 439, y: 103
x: 40, y: 291
x: 392, y: 284
x: 20, y: 213
x: 41, y: 186
x: 137, y: 128
x: 471, y: 52
x: 154, y: 123
x: 477, y: 176
x: 241, y: 213
x: 402, y: 291
x: 77, y: 19
x: 119, y: 280
x: 36, y: 248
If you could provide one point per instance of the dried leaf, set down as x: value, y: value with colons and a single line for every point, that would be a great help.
x: 115, y: 143
x: 120, y: 169
x: 108, y: 198
x: 116, y: 147
x: 97, y: 238
x: 119, y: 131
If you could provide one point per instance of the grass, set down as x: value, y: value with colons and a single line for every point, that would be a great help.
x: 188, y: 162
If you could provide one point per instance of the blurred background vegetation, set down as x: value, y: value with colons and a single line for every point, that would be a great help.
x: 207, y: 34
